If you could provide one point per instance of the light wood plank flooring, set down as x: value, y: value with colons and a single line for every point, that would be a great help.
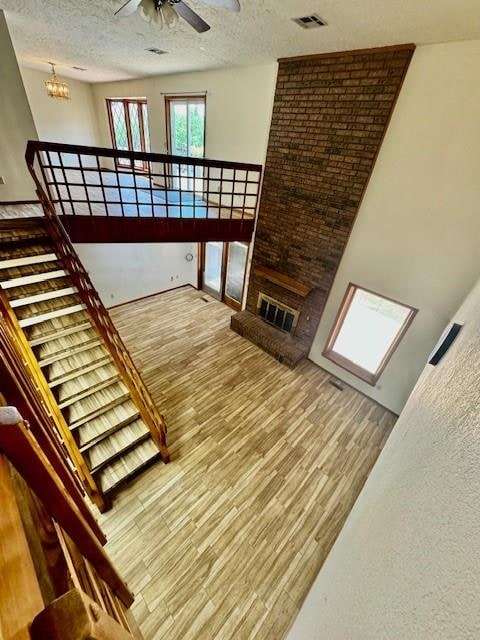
x: 225, y: 541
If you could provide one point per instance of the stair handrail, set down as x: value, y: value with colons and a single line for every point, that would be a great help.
x: 35, y: 146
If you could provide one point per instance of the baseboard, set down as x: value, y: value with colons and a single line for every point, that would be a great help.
x: 152, y: 295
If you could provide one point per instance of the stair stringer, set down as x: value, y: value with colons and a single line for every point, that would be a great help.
x: 107, y: 331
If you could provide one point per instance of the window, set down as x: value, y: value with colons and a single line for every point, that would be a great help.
x: 367, y: 331
x: 129, y: 128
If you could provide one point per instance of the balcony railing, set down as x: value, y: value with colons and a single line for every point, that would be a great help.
x: 104, y: 183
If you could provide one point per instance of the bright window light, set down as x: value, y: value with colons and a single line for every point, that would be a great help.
x: 367, y: 332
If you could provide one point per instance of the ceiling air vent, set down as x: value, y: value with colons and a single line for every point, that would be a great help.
x: 157, y: 52
x: 310, y: 22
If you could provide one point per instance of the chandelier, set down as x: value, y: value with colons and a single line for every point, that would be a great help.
x: 160, y: 12
x: 55, y: 88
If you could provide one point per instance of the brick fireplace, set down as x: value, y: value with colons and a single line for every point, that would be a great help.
x: 330, y: 115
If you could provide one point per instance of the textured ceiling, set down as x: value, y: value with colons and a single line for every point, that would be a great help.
x: 85, y: 33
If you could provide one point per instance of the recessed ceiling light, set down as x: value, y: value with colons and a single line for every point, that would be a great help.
x: 310, y: 22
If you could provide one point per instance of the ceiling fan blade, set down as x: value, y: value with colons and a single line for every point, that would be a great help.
x: 128, y: 8
x: 189, y: 15
x: 229, y: 5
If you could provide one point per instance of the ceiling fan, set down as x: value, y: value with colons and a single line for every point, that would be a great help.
x: 165, y: 8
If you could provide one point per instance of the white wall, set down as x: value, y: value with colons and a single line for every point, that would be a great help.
x: 239, y: 108
x: 16, y: 124
x: 71, y: 121
x: 123, y: 272
x: 417, y: 235
x: 406, y: 564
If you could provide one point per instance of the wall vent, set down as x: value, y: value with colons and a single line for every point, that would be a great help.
x: 156, y: 51
x: 310, y: 22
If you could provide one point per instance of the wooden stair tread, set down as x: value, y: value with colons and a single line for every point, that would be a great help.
x: 85, y: 393
x: 42, y: 297
x: 32, y: 232
x: 12, y: 250
x: 66, y: 352
x: 96, y: 430
x: 12, y: 273
x: 27, y: 322
x: 116, y: 444
x: 30, y: 279
x: 100, y: 402
x: 86, y: 380
x: 65, y: 342
x: 58, y: 327
x: 121, y: 469
x: 71, y: 375
x: 73, y: 364
x: 36, y: 288
x: 22, y: 261
x: 47, y: 306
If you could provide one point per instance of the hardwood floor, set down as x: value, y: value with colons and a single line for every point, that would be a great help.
x: 225, y: 541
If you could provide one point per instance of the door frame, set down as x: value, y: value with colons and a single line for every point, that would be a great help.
x: 183, y: 98
x: 186, y: 98
x: 234, y: 304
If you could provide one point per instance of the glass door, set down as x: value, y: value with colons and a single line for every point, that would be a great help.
x: 212, y: 268
x: 223, y: 268
x: 186, y: 125
x: 235, y: 273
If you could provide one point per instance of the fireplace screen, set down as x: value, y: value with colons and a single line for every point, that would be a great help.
x: 276, y: 313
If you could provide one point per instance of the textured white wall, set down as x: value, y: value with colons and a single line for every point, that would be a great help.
x: 71, y: 121
x: 123, y: 272
x: 16, y: 124
x: 406, y: 564
x: 417, y: 235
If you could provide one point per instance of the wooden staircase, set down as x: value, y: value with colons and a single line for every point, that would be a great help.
x: 78, y: 357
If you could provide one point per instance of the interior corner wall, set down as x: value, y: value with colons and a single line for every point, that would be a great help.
x: 405, y: 564
x: 16, y: 124
x: 125, y: 272
x: 417, y: 234
x: 69, y: 121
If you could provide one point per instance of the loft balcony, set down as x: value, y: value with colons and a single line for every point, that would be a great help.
x: 107, y: 195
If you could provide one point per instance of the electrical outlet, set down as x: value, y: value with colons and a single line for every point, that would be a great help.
x: 2, y: 180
